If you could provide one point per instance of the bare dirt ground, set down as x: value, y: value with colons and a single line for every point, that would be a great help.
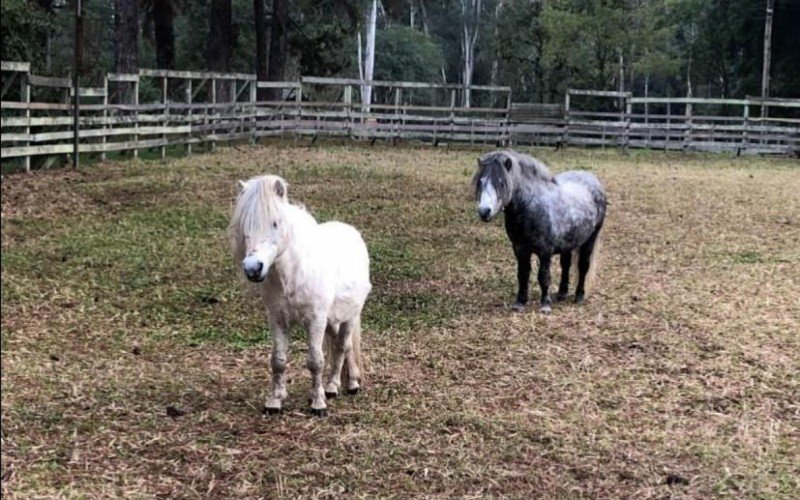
x: 134, y: 362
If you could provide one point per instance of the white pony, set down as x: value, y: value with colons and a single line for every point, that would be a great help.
x: 315, y: 275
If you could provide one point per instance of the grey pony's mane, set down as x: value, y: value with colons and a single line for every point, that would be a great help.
x: 530, y: 167
x: 530, y: 170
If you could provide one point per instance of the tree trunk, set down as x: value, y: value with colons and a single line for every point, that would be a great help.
x: 126, y: 42
x: 470, y: 17
x: 260, y: 20
x: 48, y: 58
x: 220, y: 44
x: 126, y: 36
x: 278, y: 46
x: 369, y: 56
x: 424, y: 13
x: 164, y: 21
x: 495, y: 62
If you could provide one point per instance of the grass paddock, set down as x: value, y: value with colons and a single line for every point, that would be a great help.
x: 135, y: 363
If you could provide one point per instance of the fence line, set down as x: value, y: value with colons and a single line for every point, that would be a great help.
x: 160, y: 108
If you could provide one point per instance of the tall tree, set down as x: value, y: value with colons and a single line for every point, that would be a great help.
x: 278, y: 44
x: 220, y: 43
x: 126, y: 36
x: 369, y: 56
x: 164, y: 21
x: 470, y: 24
x: 260, y: 21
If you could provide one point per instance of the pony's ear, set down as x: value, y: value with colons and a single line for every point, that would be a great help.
x: 280, y: 188
x: 508, y: 163
x: 242, y: 185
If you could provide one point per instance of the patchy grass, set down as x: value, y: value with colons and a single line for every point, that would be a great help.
x: 678, y: 378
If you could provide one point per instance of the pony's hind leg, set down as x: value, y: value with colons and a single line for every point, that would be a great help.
x: 336, y: 351
x: 353, y: 353
x: 563, y: 287
x: 544, y: 282
x: 280, y: 349
x: 316, y: 364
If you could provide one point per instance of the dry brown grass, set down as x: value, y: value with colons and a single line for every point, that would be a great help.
x: 678, y: 378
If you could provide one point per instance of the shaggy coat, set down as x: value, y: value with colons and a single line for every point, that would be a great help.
x: 310, y: 274
x: 545, y: 214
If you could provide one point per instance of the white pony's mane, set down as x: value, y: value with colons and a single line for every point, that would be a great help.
x: 257, y: 205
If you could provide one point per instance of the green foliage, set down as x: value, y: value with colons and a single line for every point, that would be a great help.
x: 538, y: 48
x: 24, y: 31
x: 404, y: 53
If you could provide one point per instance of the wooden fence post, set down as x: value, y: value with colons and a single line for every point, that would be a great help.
x: 26, y: 98
x: 348, y: 108
x: 628, y: 110
x: 105, y: 117
x: 233, y: 104
x: 213, y: 121
x: 452, y: 111
x: 668, y: 136
x: 507, y: 139
x: 745, y: 119
x: 188, y: 116
x: 565, y: 135
x: 165, y: 120
x: 298, y: 99
x: 398, y: 92
x: 647, y: 123
x: 687, y: 135
x: 136, y: 115
x: 253, y: 137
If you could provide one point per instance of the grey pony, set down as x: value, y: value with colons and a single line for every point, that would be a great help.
x: 545, y: 215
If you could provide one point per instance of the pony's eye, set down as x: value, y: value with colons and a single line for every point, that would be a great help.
x: 275, y: 224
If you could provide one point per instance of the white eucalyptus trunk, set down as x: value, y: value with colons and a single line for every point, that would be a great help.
x: 369, y: 56
x: 470, y: 17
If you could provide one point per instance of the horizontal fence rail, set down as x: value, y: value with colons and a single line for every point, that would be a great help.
x: 160, y: 108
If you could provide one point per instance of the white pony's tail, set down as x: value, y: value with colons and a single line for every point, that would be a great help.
x: 355, y: 339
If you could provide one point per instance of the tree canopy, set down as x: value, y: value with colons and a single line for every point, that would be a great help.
x: 538, y: 47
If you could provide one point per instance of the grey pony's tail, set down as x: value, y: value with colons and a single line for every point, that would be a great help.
x: 593, y: 263
x: 593, y: 260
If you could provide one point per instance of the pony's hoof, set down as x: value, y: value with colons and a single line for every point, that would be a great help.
x: 353, y: 392
x: 518, y: 307
x: 319, y: 412
x: 330, y: 395
x: 580, y: 300
x: 270, y: 411
x: 561, y: 297
x: 545, y: 309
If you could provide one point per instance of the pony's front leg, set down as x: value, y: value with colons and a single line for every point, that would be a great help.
x: 280, y: 350
x: 523, y: 256
x: 544, y: 282
x: 316, y: 364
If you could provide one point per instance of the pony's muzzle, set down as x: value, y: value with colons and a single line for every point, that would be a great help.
x: 254, y: 269
x: 485, y: 213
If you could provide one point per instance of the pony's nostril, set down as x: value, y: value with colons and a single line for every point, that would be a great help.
x: 483, y: 212
x: 259, y: 268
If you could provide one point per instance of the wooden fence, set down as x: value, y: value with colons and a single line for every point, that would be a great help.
x: 160, y: 108
x: 675, y: 123
x: 155, y: 109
